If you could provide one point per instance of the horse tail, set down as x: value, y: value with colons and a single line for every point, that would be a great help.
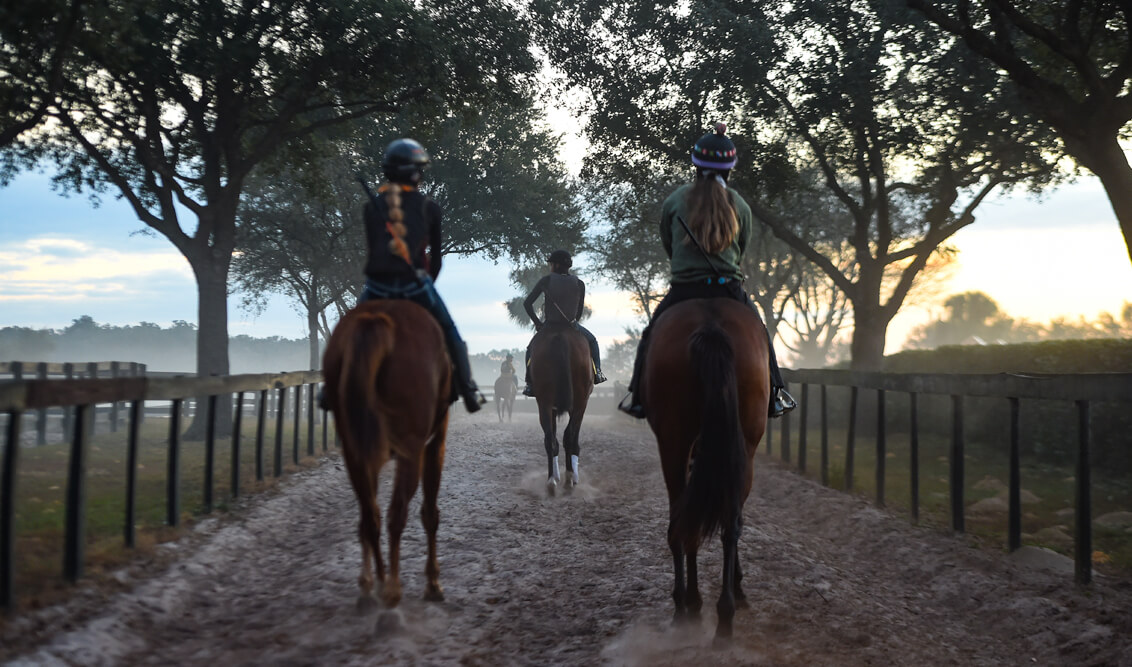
x: 713, y: 497
x: 369, y: 345
x: 564, y: 388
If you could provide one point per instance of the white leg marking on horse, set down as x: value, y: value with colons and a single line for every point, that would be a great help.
x: 574, y: 465
x: 556, y: 475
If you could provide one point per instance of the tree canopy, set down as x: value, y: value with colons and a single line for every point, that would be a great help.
x: 1071, y: 64
x: 906, y: 137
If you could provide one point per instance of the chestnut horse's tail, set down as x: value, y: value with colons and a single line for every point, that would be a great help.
x: 369, y: 343
x: 714, y: 494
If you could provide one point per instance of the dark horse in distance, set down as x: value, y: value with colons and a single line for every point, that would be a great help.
x: 562, y: 377
x: 388, y: 378
x: 706, y: 390
x: 505, y: 395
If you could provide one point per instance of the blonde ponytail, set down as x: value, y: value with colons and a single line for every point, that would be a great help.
x: 711, y: 217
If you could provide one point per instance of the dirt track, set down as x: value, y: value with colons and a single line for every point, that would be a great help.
x: 578, y: 579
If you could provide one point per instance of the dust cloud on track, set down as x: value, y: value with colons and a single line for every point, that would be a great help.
x: 576, y: 579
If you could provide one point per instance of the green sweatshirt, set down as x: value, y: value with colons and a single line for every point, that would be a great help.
x: 688, y: 264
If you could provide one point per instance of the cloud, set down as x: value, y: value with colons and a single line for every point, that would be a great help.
x: 66, y: 269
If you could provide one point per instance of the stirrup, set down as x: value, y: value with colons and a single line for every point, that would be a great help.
x: 527, y: 391
x: 633, y: 409
x: 781, y: 403
x: 599, y: 377
x: 473, y: 400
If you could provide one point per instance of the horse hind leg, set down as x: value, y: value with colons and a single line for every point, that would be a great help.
x: 726, y: 605
x: 369, y: 533
x: 430, y: 513
x: 408, y: 477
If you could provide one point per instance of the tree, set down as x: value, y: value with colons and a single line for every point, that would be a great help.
x: 970, y: 317
x: 172, y: 103
x: 626, y: 250
x: 1071, y: 62
x: 36, y: 39
x: 309, y: 209
x: 907, y: 138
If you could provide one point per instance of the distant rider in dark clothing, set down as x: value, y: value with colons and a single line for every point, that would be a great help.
x: 401, y: 223
x: 564, y: 303
x: 508, y: 368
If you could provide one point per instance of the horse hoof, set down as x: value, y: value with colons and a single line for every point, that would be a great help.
x: 389, y: 623
x: 551, y: 486
x: 434, y: 594
x: 366, y: 604
x: 391, y: 594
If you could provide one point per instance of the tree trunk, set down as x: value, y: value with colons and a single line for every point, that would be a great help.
x: 869, y: 330
x: 1106, y: 159
x: 212, y: 340
x: 312, y: 332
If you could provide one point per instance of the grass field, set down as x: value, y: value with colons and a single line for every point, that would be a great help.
x: 41, y: 483
x: 1048, y: 491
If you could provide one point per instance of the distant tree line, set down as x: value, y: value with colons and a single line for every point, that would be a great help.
x: 973, y: 318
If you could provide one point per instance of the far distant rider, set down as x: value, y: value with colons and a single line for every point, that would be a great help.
x: 564, y: 302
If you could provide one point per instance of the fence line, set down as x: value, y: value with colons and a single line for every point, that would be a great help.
x: 1080, y: 389
x: 19, y: 396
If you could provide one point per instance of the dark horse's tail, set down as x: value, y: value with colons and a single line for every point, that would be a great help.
x: 714, y: 494
x: 369, y: 342
x: 564, y: 388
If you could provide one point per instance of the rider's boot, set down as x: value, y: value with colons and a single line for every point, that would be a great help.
x: 599, y: 377
x: 631, y: 404
x: 464, y: 384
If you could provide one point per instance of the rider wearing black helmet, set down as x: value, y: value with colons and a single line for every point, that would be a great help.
x: 564, y: 301
x: 401, y: 224
x: 704, y: 228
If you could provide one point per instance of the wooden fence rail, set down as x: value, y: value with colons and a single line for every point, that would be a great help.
x: 19, y: 396
x: 1080, y: 389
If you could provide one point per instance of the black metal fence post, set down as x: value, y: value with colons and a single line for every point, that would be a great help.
x: 1014, y: 517
x: 882, y: 447
x: 75, y: 519
x: 310, y: 418
x: 41, y: 414
x: 136, y: 409
x: 824, y: 438
x: 235, y: 463
x: 261, y: 420
x: 280, y: 408
x: 69, y: 411
x: 852, y: 438
x: 1083, y: 545
x: 914, y: 455
x: 958, y: 522
x: 296, y: 428
x: 802, y: 428
x: 115, y: 368
x: 8, y: 509
x: 209, y: 451
x: 173, y: 467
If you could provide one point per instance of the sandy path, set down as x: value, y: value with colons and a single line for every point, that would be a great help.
x: 577, y: 579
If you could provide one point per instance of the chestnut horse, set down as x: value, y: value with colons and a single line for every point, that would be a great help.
x: 562, y: 378
x: 388, y: 378
x: 706, y: 390
x: 505, y: 395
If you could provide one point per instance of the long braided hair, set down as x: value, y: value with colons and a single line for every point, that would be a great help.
x: 395, y: 224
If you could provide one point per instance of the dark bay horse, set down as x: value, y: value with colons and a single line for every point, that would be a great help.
x: 505, y: 395
x: 388, y: 379
x: 706, y: 389
x: 562, y: 378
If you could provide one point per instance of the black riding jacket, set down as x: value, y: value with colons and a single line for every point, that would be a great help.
x: 421, y: 217
x: 565, y: 298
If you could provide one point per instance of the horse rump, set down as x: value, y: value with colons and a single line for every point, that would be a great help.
x: 365, y: 340
x: 713, y: 496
